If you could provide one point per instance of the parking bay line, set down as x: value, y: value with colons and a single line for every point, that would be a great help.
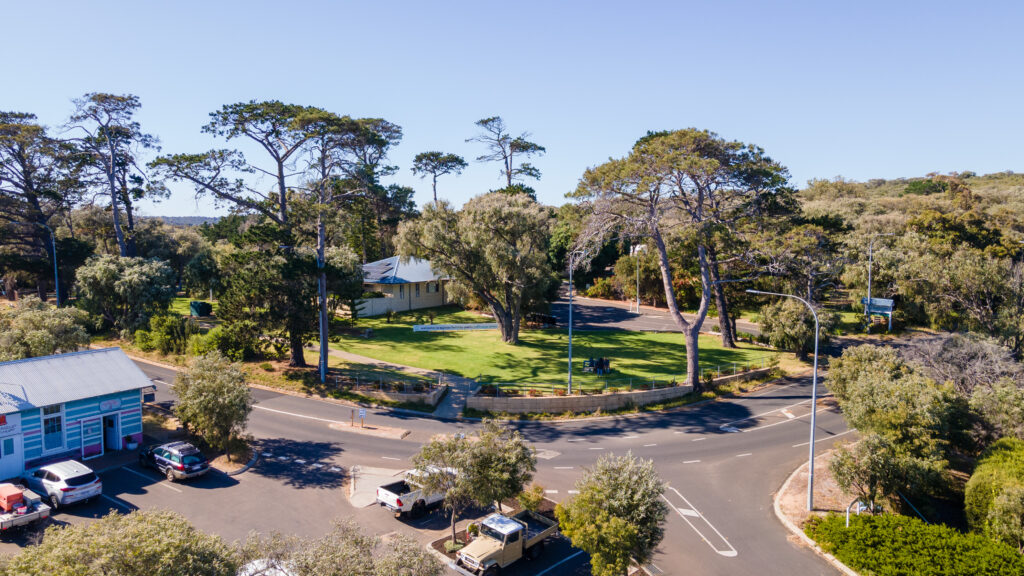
x: 150, y: 478
x: 690, y: 511
x: 117, y: 502
x: 559, y: 563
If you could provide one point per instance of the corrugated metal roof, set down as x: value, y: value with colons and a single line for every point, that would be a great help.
x: 37, y: 382
x: 393, y: 271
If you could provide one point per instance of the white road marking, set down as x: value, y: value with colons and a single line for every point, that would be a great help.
x: 688, y: 512
x: 649, y: 445
x: 283, y: 458
x: 389, y: 458
x: 825, y: 438
x: 573, y: 491
x: 730, y: 429
x: 151, y: 479
x: 335, y: 469
x: 551, y: 491
x: 317, y: 465
x: 629, y: 437
x: 726, y: 550
x: 744, y: 454
x: 267, y: 455
x: 788, y: 414
x: 297, y: 461
x: 765, y: 413
x: 559, y: 563
x: 563, y: 467
x: 258, y: 407
x: 698, y: 439
x: 678, y: 432
x: 691, y: 462
x: 576, y: 440
x: 595, y: 448
x: 117, y: 502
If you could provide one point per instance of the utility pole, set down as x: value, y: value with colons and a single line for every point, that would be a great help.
x: 573, y: 261
x: 814, y: 393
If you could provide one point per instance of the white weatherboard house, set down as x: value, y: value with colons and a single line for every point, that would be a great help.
x: 406, y: 286
x: 78, y: 405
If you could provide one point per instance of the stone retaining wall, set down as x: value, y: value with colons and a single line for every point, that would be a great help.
x: 429, y: 398
x: 593, y: 402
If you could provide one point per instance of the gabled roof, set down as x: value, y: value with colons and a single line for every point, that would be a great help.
x: 36, y: 382
x: 392, y: 271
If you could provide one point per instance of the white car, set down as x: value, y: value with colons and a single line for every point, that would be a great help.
x: 65, y: 483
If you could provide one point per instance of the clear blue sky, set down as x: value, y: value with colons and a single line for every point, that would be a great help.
x: 858, y: 89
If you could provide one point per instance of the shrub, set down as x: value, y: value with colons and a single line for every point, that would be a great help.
x: 143, y: 341
x: 897, y: 545
x: 169, y: 333
x: 603, y: 288
x: 267, y: 366
x: 531, y: 498
x: 473, y: 529
x: 1001, y: 467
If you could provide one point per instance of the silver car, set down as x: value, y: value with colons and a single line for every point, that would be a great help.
x: 65, y: 483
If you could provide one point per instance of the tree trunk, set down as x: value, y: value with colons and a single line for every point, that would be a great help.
x: 725, y: 326
x: 118, y: 232
x: 453, y: 526
x: 41, y: 286
x: 296, y: 357
x: 690, y: 330
x: 129, y: 237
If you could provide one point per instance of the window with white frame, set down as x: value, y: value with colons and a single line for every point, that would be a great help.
x: 53, y: 427
x: 431, y: 287
x: 417, y: 290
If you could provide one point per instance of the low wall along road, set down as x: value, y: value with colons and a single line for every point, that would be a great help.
x: 593, y: 402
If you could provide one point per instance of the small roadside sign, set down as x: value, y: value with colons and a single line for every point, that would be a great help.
x: 362, y: 413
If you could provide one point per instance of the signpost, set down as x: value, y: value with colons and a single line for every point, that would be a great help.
x: 362, y: 416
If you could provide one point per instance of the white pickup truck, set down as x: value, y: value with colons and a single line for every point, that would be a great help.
x: 30, y: 510
x: 405, y: 497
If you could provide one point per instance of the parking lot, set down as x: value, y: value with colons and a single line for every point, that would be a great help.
x: 295, y: 488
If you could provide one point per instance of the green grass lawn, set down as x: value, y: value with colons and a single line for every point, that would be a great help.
x: 541, y: 355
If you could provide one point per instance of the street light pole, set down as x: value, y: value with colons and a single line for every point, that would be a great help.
x: 814, y: 393
x: 572, y: 264
x: 871, y: 246
x: 53, y: 246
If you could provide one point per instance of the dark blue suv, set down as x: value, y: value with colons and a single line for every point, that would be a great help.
x: 177, y: 460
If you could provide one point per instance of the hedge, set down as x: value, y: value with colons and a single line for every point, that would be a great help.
x: 903, y: 546
x: 1001, y: 466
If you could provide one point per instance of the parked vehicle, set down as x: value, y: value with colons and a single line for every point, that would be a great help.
x: 65, y: 483
x: 19, y: 507
x: 176, y: 460
x: 503, y: 540
x: 406, y: 498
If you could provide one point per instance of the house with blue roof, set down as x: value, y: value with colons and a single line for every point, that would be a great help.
x: 79, y: 405
x: 410, y: 285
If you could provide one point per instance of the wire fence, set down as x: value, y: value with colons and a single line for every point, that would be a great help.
x: 605, y: 385
x: 381, y: 381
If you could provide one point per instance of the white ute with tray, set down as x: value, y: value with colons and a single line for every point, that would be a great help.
x: 406, y: 498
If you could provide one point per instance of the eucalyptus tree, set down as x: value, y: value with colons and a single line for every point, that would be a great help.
x: 686, y: 183
x: 283, y: 131
x: 437, y: 164
x: 495, y: 249
x: 109, y: 144
x: 505, y: 148
x: 37, y: 185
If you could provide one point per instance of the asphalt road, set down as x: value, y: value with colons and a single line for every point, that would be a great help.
x: 593, y: 314
x: 722, y: 461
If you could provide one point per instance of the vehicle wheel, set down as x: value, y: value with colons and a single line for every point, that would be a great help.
x: 534, y: 553
x: 170, y: 475
x: 142, y: 462
x: 419, y: 509
x: 492, y: 571
x: 54, y: 502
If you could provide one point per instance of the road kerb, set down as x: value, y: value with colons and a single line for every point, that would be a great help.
x: 792, y: 527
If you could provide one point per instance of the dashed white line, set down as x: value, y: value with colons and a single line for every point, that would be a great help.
x: 691, y: 461
x: 595, y: 448
x: 267, y: 455
x: 317, y: 465
x: 563, y: 467
x: 390, y: 458
x: 297, y: 461
x: 335, y: 469
x: 551, y: 491
x: 573, y: 491
x: 698, y: 439
x: 788, y: 414
x: 649, y: 445
x: 298, y: 415
x: 629, y: 437
x: 576, y: 440
x: 744, y: 454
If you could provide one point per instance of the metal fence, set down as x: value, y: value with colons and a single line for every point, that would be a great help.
x: 602, y: 385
